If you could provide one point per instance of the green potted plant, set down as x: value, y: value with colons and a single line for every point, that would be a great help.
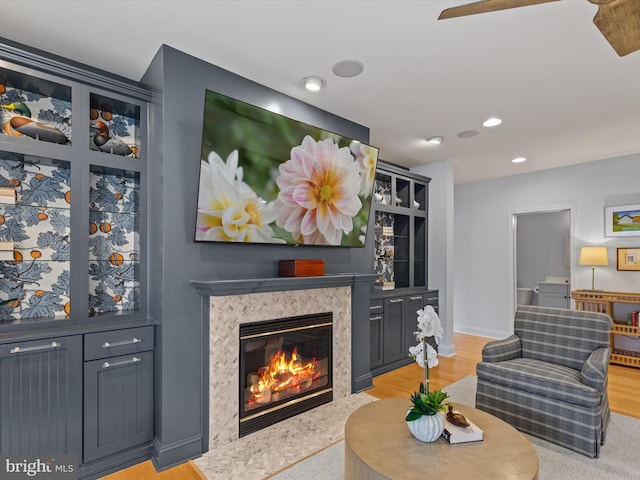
x: 422, y: 418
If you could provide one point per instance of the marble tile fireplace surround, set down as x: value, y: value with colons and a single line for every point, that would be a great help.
x: 229, y: 303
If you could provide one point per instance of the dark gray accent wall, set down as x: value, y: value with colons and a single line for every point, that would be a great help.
x: 178, y: 82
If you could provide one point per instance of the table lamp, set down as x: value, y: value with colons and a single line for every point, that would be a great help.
x: 593, y: 256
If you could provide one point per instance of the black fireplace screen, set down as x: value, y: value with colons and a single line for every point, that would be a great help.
x: 285, y: 368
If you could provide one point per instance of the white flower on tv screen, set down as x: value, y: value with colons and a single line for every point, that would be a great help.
x: 228, y: 209
x: 367, y: 157
x: 318, y: 196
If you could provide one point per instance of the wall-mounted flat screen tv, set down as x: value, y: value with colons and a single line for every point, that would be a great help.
x: 266, y: 178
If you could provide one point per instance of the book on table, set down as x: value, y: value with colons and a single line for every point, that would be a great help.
x: 454, y: 434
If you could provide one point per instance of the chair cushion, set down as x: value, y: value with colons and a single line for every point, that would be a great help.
x: 562, y: 336
x: 542, y: 378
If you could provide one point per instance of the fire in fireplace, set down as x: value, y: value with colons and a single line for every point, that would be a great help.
x: 285, y: 368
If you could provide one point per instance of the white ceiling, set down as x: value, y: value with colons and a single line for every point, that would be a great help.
x: 564, y: 94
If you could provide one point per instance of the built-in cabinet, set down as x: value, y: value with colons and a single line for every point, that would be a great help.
x: 73, y: 169
x: 40, y: 396
x: 399, y: 257
x: 393, y: 320
x: 118, y: 391
x: 399, y: 214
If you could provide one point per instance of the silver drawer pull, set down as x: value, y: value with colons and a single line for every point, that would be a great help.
x: 419, y: 297
x: 36, y: 348
x: 119, y: 364
x: 133, y: 341
x: 377, y: 317
x: 396, y: 300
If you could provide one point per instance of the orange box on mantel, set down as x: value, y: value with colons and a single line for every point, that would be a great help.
x: 301, y: 268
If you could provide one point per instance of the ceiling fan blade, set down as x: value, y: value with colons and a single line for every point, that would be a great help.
x: 487, y: 6
x: 619, y: 22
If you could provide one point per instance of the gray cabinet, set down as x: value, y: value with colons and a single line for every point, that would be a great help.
x: 56, y: 400
x: 76, y: 265
x: 376, y: 310
x: 556, y: 295
x: 118, y: 391
x: 399, y: 257
x: 400, y: 228
x: 40, y: 396
x: 413, y: 304
x: 393, y: 330
x: 393, y: 319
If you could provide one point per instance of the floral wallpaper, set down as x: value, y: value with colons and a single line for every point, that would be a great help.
x: 114, y: 243
x: 35, y: 283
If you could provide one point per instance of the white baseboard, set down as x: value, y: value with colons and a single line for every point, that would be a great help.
x: 481, y: 332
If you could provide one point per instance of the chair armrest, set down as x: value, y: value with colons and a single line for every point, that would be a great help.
x: 596, y: 367
x: 501, y: 350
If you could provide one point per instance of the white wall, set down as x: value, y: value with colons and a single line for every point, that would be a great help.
x: 482, y: 278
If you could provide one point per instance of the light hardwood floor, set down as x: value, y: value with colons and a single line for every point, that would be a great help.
x: 624, y: 385
x: 624, y: 382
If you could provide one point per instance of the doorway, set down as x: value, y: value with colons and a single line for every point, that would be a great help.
x: 542, y: 259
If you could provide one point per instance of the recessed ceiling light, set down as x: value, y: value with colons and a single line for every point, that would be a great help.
x: 492, y: 122
x: 348, y: 68
x: 434, y: 140
x: 468, y: 134
x: 519, y: 160
x: 314, y: 83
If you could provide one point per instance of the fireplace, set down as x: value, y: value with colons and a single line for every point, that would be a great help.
x: 229, y: 304
x: 285, y: 368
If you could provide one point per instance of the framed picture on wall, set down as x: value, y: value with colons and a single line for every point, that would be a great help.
x: 622, y: 221
x: 629, y: 259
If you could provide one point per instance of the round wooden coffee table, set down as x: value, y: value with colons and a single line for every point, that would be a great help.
x: 378, y: 445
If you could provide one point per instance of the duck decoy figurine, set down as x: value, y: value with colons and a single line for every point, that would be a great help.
x: 456, y: 418
x: 108, y: 143
x: 17, y: 120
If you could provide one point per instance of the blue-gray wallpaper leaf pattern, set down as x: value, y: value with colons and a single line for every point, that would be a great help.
x: 35, y: 284
x: 113, y: 243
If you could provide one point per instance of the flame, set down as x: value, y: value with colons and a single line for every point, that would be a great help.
x: 282, y: 374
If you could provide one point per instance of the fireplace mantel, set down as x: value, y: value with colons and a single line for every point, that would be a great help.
x: 217, y: 288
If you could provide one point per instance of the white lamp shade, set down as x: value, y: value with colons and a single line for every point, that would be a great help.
x: 594, y: 256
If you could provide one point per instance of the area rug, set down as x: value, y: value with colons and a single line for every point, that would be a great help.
x: 274, y: 448
x: 619, y: 456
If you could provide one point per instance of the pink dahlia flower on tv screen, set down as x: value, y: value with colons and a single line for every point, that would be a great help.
x: 318, y: 196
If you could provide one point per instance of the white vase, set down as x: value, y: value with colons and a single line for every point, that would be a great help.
x: 427, y: 428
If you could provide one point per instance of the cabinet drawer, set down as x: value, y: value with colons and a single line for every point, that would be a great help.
x: 431, y: 299
x: 561, y: 288
x: 9, y: 350
x: 118, y: 342
x: 376, y: 307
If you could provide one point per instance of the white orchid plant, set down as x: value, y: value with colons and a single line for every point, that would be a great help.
x: 424, y: 401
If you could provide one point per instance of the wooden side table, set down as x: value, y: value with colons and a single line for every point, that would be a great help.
x: 603, y: 301
x: 378, y: 445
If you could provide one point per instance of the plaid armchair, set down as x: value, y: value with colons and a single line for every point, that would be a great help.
x: 549, y: 379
